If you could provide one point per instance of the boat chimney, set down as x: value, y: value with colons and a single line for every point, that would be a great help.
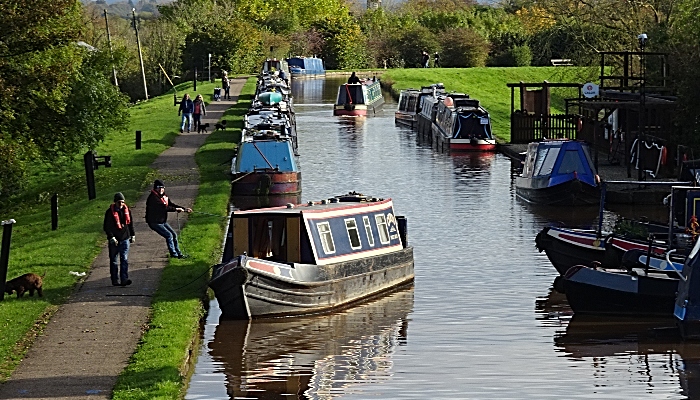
x: 290, y: 205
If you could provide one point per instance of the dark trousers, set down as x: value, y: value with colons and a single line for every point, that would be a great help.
x: 119, y: 270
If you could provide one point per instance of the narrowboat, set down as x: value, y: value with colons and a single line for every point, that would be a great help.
x: 462, y: 124
x: 558, y: 173
x: 637, y: 291
x: 427, y: 115
x: 310, y: 258
x: 306, y: 67
x: 568, y: 247
x: 265, y: 165
x: 312, y: 356
x: 358, y: 99
x: 410, y: 102
x: 272, y: 65
x: 686, y: 309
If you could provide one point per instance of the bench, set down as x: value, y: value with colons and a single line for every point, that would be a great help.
x: 561, y: 62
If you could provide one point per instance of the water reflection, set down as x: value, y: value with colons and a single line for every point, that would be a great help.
x: 315, y: 357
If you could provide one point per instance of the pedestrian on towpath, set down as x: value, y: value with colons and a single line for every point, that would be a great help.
x: 186, y: 108
x: 120, y: 233
x: 158, y: 205
x: 198, y: 110
x: 226, y: 85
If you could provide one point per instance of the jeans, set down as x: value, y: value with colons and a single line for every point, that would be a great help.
x: 119, y: 271
x: 227, y: 94
x: 197, y: 121
x: 170, y: 236
x: 186, y: 117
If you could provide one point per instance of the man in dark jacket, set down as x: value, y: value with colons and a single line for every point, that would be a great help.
x: 120, y: 233
x: 158, y: 205
x: 186, y: 109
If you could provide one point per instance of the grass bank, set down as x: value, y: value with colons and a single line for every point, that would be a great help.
x: 79, y: 238
x: 159, y: 367
x: 488, y: 85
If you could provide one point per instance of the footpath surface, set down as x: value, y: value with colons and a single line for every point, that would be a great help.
x: 89, y: 340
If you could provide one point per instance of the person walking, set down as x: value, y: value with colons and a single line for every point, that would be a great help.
x: 436, y: 58
x: 426, y: 59
x: 120, y: 233
x: 198, y: 110
x: 226, y: 85
x: 186, y: 108
x: 158, y: 205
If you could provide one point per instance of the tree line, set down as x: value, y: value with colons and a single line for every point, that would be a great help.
x: 58, y: 100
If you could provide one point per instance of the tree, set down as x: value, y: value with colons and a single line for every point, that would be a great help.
x: 56, y: 98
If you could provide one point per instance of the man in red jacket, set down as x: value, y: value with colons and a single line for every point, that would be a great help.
x: 120, y: 233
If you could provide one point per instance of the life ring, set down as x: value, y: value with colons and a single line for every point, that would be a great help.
x: 693, y: 227
x: 664, y: 153
x: 579, y: 124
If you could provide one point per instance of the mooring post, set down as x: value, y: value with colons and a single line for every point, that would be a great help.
x: 54, y: 212
x: 5, y: 253
x: 138, y: 140
x: 89, y: 159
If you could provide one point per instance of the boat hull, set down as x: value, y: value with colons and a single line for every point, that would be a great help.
x: 566, y: 248
x: 350, y: 110
x: 598, y: 291
x: 569, y: 193
x: 472, y: 145
x: 266, y: 183
x: 406, y: 118
x: 251, y: 288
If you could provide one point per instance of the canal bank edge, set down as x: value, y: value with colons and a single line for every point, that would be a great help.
x: 89, y: 341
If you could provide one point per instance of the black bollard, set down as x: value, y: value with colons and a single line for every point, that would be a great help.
x: 89, y: 159
x: 195, y: 80
x: 5, y: 253
x: 54, y: 212
x: 138, y: 140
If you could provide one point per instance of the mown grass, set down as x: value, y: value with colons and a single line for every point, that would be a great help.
x: 158, y: 369
x: 488, y: 85
x: 79, y: 238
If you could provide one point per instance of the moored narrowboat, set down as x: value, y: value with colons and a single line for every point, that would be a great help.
x: 411, y: 101
x: 306, y: 67
x: 558, y: 172
x: 462, y: 124
x: 304, y: 259
x: 265, y: 165
x: 358, y: 99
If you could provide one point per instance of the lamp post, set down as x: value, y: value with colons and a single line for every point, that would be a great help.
x: 642, y: 38
x: 138, y: 44
x: 209, y: 67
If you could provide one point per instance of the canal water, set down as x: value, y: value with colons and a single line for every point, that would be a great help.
x: 481, y: 320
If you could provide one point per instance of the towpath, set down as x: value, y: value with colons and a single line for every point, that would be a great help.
x: 89, y: 340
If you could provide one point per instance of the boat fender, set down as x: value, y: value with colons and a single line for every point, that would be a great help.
x: 349, y: 107
x: 474, y: 141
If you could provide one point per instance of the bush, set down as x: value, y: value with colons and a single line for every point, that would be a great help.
x: 516, y: 56
x: 463, y: 47
x: 412, y: 44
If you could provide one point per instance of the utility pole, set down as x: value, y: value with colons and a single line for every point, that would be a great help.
x: 138, y: 44
x: 111, y: 56
x: 209, y: 67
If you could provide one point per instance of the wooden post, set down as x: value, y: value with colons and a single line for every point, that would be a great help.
x: 54, y: 212
x: 5, y: 253
x: 138, y: 140
x: 138, y: 44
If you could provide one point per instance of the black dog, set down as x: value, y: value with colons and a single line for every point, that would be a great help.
x: 221, y: 125
x: 203, y: 128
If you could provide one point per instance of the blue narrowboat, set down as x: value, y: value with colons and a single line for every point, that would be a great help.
x: 306, y: 67
x: 558, y: 172
x: 411, y: 101
x: 309, y: 258
x: 462, y: 124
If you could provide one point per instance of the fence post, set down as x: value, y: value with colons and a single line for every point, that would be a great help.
x: 138, y: 140
x: 54, y: 212
x: 5, y: 253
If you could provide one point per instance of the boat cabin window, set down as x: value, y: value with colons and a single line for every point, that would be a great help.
x: 545, y: 161
x: 353, y: 233
x: 324, y: 230
x: 571, y: 162
x: 368, y: 230
x: 382, y: 227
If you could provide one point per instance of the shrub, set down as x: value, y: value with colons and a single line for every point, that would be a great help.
x: 463, y: 47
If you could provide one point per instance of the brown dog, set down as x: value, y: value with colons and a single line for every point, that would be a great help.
x: 27, y: 282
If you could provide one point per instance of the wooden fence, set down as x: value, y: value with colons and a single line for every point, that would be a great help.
x: 526, y: 128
